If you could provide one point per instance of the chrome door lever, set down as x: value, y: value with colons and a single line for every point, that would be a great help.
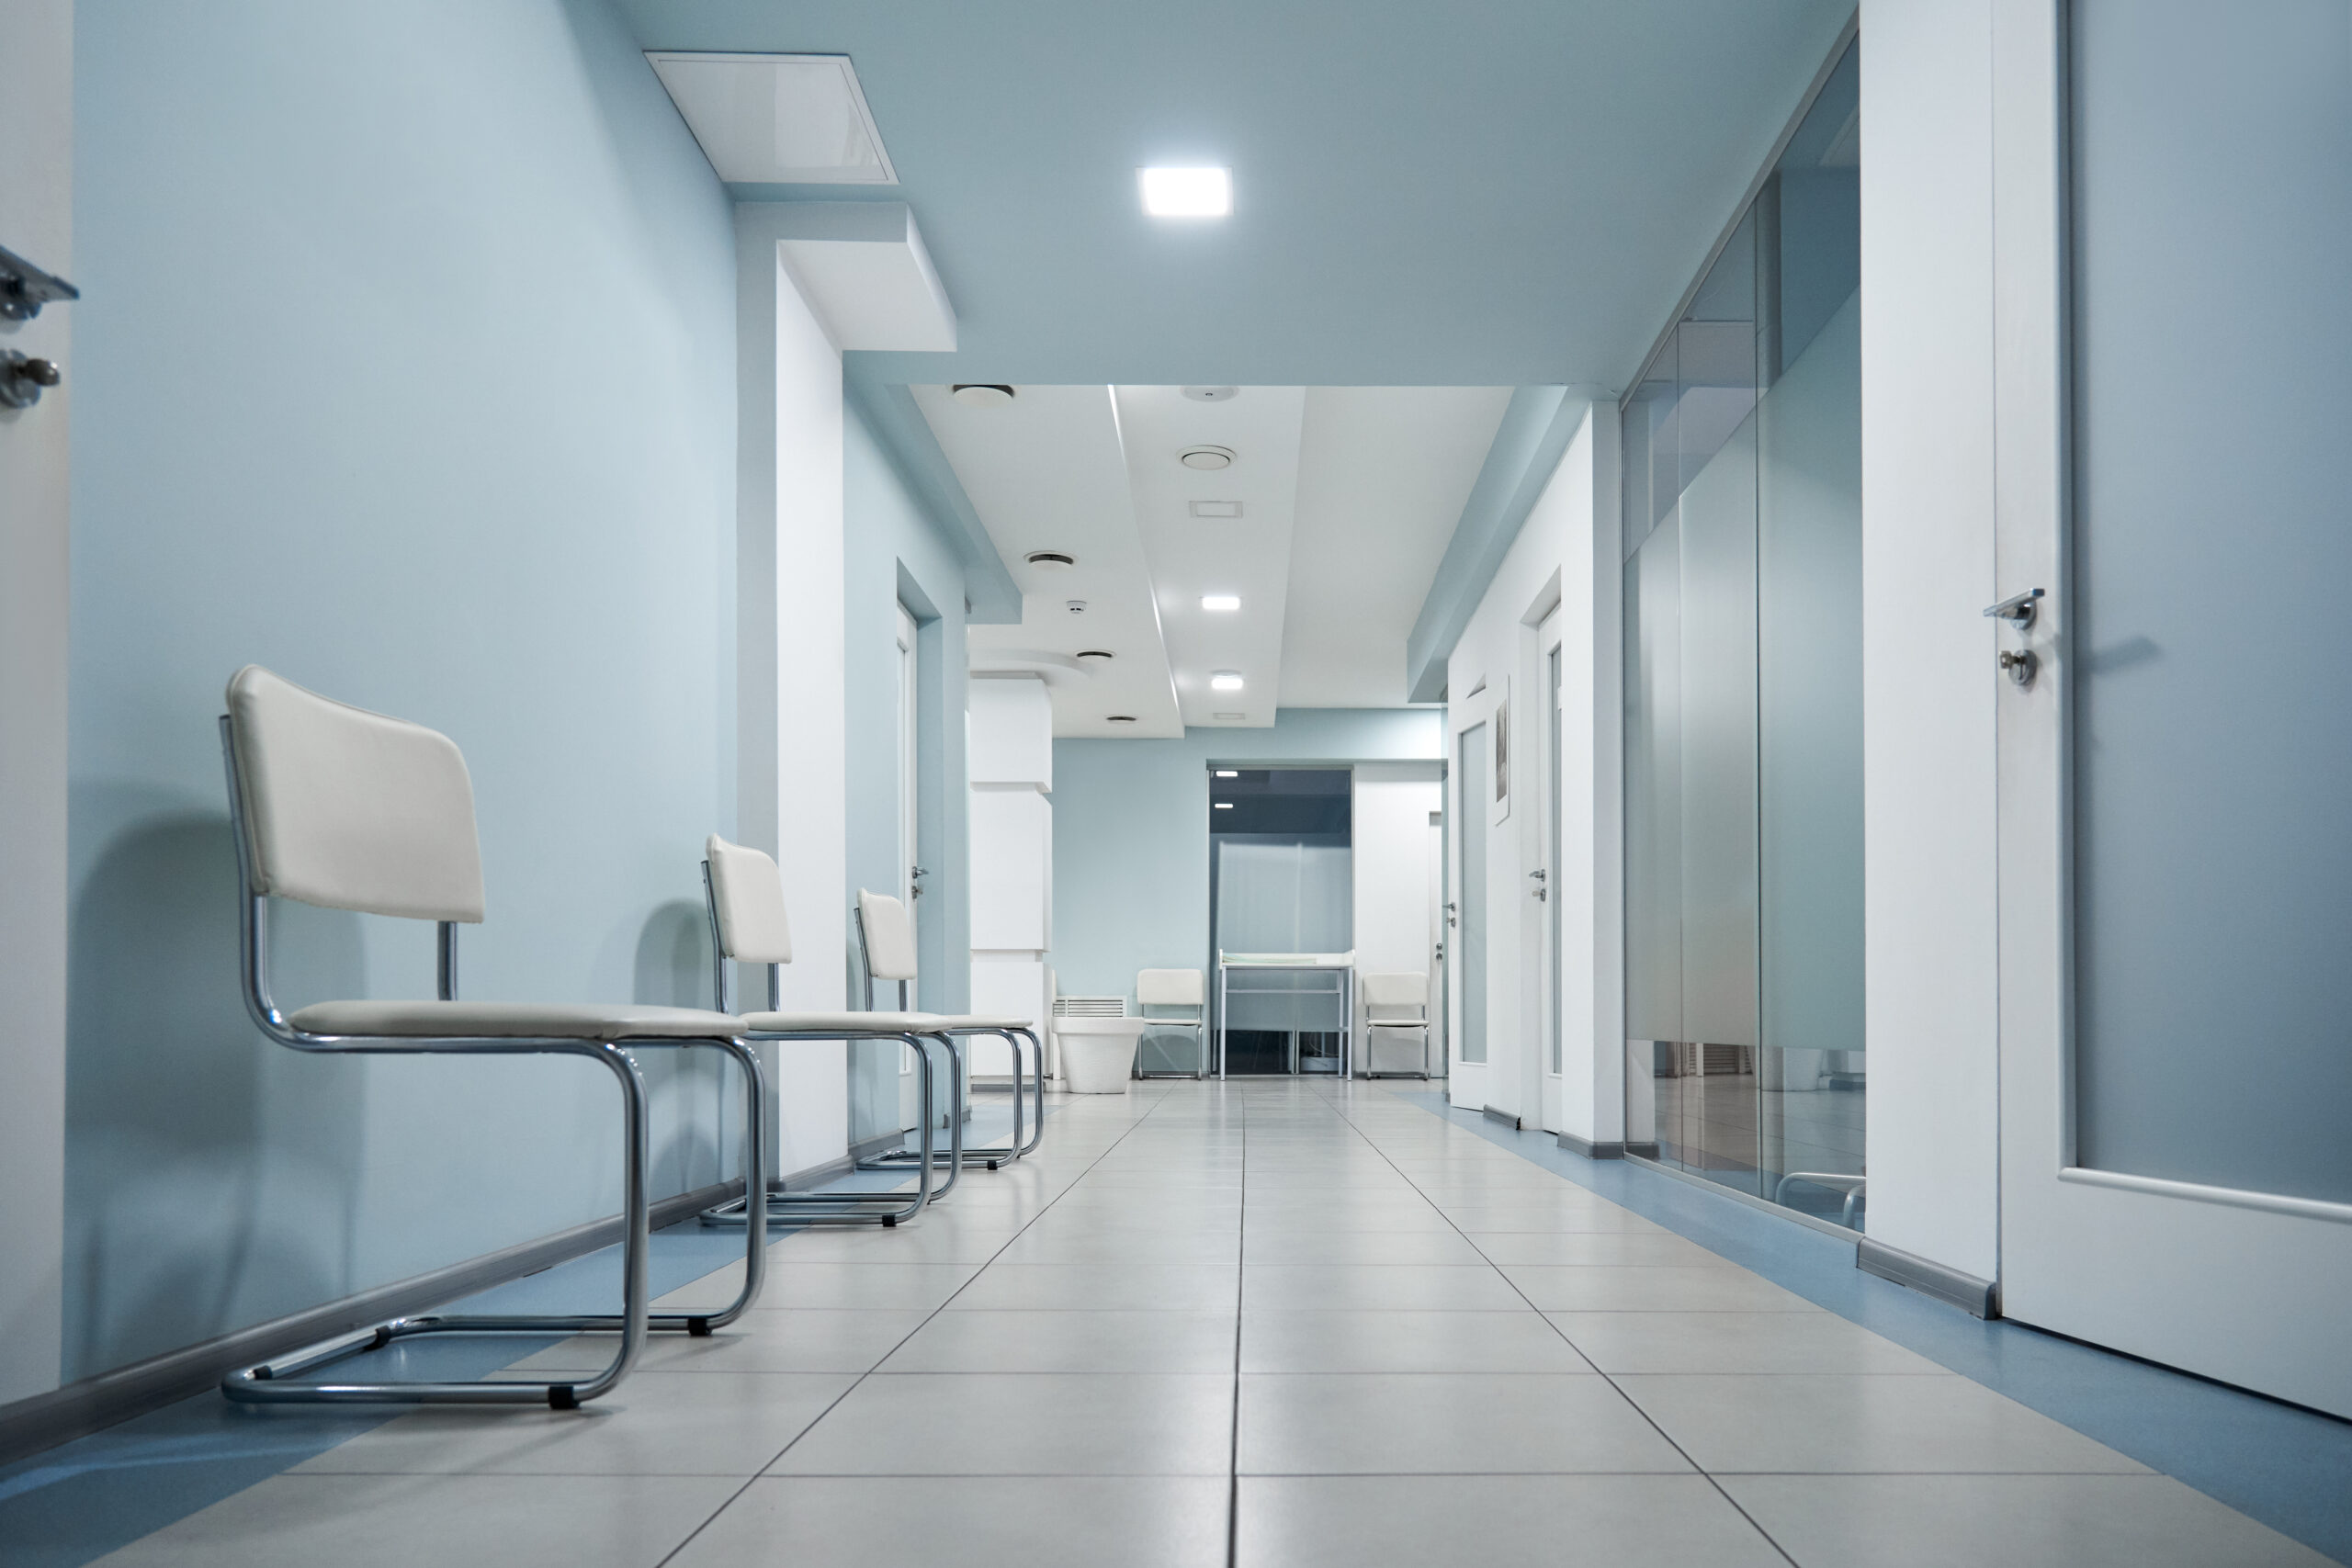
x: 2017, y: 609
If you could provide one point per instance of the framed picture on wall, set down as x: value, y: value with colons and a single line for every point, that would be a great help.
x: 1498, y: 733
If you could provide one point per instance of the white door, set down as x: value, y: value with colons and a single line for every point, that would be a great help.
x: 910, y: 874
x: 1466, y: 937
x: 2175, y: 857
x: 1433, y: 1048
x: 1547, y: 960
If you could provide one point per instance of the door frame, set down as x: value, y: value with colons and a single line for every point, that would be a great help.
x: 2243, y: 1287
x: 1547, y: 690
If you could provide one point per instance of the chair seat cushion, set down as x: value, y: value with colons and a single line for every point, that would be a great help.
x: 983, y: 1020
x: 832, y: 1025
x: 512, y: 1020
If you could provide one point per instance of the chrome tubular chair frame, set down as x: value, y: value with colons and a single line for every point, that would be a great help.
x: 985, y: 1158
x: 279, y: 1380
x: 782, y: 1208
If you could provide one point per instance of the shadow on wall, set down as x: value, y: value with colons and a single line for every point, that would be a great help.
x: 211, y: 1174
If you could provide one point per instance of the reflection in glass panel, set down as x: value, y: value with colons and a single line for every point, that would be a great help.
x: 1743, y: 699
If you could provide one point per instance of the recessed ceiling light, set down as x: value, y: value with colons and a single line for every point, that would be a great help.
x: 1052, y: 561
x: 1211, y: 394
x: 1224, y: 680
x: 1220, y: 601
x: 1217, y: 509
x: 1208, y: 459
x: 981, y: 394
x: 1121, y: 719
x: 1228, y: 773
x: 1103, y: 654
x: 1186, y: 193
x: 1234, y: 718
x: 1222, y: 805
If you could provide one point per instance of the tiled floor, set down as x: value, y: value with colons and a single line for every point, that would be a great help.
x: 1273, y: 1324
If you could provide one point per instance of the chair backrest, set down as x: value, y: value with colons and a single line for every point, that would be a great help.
x: 1403, y: 997
x: 889, y: 936
x: 747, y: 904
x: 1169, y: 988
x: 348, y: 809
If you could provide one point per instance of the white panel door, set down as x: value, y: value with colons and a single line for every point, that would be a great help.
x: 1467, y: 998
x: 2175, y: 860
x: 1552, y: 759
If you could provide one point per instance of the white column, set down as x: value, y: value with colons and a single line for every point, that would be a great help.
x: 791, y: 601
x: 1012, y: 762
x: 35, y: 194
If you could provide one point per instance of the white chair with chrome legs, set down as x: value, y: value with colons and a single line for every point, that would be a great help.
x: 743, y: 891
x: 347, y: 809
x: 886, y: 937
x: 1181, y: 996
x: 1396, y: 1024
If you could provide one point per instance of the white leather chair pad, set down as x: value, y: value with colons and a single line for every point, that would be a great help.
x: 748, y: 892
x: 512, y: 1020
x: 843, y: 1023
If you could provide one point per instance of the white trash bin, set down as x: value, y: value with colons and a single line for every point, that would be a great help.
x: 1097, y: 1054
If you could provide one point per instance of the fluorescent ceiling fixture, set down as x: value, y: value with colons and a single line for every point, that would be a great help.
x: 1224, y: 680
x: 1220, y: 601
x: 1186, y: 193
x: 777, y: 118
x: 1228, y: 773
x: 1222, y: 805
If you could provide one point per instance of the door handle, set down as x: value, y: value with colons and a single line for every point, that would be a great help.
x: 2017, y: 609
x: 1543, y: 883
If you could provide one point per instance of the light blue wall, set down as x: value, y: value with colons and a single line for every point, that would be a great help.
x: 404, y: 367
x: 895, y: 552
x: 1131, y: 831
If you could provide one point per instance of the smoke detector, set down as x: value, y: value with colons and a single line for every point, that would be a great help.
x: 1077, y: 606
x: 981, y: 394
x: 1208, y: 459
x: 1211, y: 394
x: 1052, y: 561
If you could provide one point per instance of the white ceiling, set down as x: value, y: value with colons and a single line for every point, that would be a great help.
x: 1348, y: 496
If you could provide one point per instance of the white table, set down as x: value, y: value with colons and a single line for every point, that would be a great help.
x: 1341, y: 965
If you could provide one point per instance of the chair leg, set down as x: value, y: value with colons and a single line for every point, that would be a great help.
x: 791, y: 1210
x: 960, y: 1076
x: 278, y: 1382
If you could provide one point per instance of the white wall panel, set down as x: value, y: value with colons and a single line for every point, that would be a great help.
x: 1927, y: 691
x: 1012, y: 730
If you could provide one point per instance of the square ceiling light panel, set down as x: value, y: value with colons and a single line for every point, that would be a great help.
x: 1186, y: 193
x: 777, y: 118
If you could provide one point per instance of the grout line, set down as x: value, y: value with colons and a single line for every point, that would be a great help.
x: 1240, y: 1286
x: 859, y: 1380
x: 1630, y: 1402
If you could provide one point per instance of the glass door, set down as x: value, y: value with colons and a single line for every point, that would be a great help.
x: 2175, y: 857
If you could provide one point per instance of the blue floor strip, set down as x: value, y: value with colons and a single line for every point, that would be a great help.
x: 2289, y: 1468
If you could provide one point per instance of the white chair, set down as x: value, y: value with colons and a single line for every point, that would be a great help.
x: 886, y: 939
x: 1181, y: 996
x: 1396, y: 1024
x: 743, y: 891
x: 347, y: 809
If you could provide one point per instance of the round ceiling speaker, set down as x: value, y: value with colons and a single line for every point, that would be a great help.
x: 981, y: 394
x: 1121, y: 719
x: 1052, y: 561
x: 1103, y: 654
x: 1211, y: 394
x: 1206, y: 458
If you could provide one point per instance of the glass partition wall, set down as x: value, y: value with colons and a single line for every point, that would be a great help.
x: 1743, y: 699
